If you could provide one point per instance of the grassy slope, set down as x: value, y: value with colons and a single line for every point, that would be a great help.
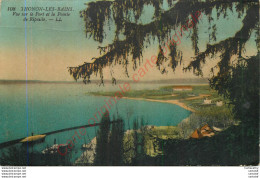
x: 164, y: 93
x: 211, y: 114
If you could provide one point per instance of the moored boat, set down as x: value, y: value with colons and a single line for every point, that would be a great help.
x: 33, y: 138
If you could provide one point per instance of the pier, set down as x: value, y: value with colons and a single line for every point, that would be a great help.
x: 12, y: 142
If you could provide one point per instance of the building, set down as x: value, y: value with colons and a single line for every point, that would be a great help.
x: 204, y: 131
x: 182, y: 88
x: 207, y: 101
x: 219, y: 103
x: 196, y: 134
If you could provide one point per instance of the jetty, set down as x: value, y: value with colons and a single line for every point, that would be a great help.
x: 12, y: 142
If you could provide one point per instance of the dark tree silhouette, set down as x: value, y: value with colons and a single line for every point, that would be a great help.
x: 131, y: 37
x: 138, y: 142
x: 116, y: 142
x: 240, y: 86
x: 102, y: 148
x: 109, y: 149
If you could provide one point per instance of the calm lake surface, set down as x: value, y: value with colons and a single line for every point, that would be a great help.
x: 57, y: 106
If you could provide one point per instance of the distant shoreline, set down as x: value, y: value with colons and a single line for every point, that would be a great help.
x: 34, y: 82
x: 170, y: 82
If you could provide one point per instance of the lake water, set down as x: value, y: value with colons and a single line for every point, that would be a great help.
x: 57, y: 106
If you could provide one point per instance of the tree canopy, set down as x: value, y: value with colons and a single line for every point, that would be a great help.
x: 131, y: 37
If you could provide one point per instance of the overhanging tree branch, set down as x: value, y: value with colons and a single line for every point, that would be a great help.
x: 137, y: 34
x: 232, y: 45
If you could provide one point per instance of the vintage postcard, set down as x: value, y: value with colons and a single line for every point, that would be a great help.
x: 129, y: 83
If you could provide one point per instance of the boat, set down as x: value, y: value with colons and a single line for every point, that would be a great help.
x: 33, y: 138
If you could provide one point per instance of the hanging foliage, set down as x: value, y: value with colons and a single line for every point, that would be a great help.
x: 125, y: 16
